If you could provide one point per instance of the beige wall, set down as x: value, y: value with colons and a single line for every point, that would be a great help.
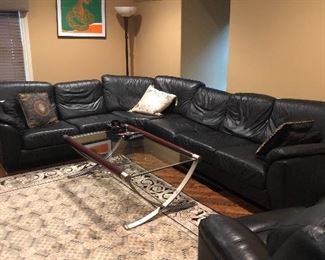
x: 157, y: 38
x: 56, y: 60
x: 205, y: 41
x: 155, y: 45
x: 277, y: 47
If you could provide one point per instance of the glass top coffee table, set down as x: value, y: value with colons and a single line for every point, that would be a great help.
x: 146, y: 150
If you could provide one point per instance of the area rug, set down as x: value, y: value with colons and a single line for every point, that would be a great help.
x: 47, y: 215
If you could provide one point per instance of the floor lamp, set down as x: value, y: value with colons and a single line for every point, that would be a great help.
x: 126, y: 12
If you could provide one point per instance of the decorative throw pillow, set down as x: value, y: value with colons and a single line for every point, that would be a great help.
x: 37, y: 109
x: 288, y: 133
x: 153, y: 102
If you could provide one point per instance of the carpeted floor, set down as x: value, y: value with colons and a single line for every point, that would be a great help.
x: 45, y: 215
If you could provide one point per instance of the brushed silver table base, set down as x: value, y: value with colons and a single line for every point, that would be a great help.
x: 163, y: 206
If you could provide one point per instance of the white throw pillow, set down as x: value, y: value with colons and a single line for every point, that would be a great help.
x: 153, y: 102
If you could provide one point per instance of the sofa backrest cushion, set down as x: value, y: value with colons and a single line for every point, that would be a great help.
x: 285, y: 110
x: 247, y: 115
x: 9, y: 91
x: 79, y: 98
x: 184, y: 89
x: 121, y: 93
x: 208, y: 107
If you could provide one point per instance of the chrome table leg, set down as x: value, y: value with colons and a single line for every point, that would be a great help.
x: 164, y: 205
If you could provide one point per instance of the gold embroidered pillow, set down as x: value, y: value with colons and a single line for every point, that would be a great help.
x: 153, y: 102
x: 37, y: 109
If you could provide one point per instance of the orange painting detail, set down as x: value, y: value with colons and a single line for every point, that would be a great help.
x: 95, y: 28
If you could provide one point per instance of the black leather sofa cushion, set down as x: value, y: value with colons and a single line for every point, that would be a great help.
x: 79, y: 98
x: 247, y: 115
x: 221, y: 237
x: 311, y: 216
x: 241, y: 163
x: 184, y: 89
x: 208, y: 107
x: 171, y: 124
x: 136, y: 119
x: 206, y: 142
x: 46, y: 155
x: 92, y: 123
x: 285, y: 110
x: 47, y: 135
x: 122, y: 92
x: 263, y: 223
x: 305, y: 243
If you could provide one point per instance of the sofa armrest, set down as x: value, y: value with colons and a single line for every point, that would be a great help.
x: 221, y: 237
x: 10, y: 145
x: 298, y: 181
x: 265, y: 222
x: 292, y: 151
x: 7, y: 118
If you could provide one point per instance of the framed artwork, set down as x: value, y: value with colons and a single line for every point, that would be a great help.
x: 81, y: 18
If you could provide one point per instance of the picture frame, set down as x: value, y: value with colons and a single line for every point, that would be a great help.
x: 81, y: 18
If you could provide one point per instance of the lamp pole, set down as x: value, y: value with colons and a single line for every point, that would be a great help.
x: 126, y: 35
x: 126, y: 12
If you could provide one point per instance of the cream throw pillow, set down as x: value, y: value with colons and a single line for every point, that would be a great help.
x: 153, y: 102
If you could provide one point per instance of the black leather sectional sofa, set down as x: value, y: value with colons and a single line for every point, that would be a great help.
x: 225, y: 129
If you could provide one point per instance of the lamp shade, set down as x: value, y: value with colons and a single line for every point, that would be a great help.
x: 125, y: 11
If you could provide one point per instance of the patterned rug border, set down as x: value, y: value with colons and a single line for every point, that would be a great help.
x: 31, y: 178
x: 189, y: 218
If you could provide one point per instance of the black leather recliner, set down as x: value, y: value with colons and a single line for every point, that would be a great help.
x: 291, y: 233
